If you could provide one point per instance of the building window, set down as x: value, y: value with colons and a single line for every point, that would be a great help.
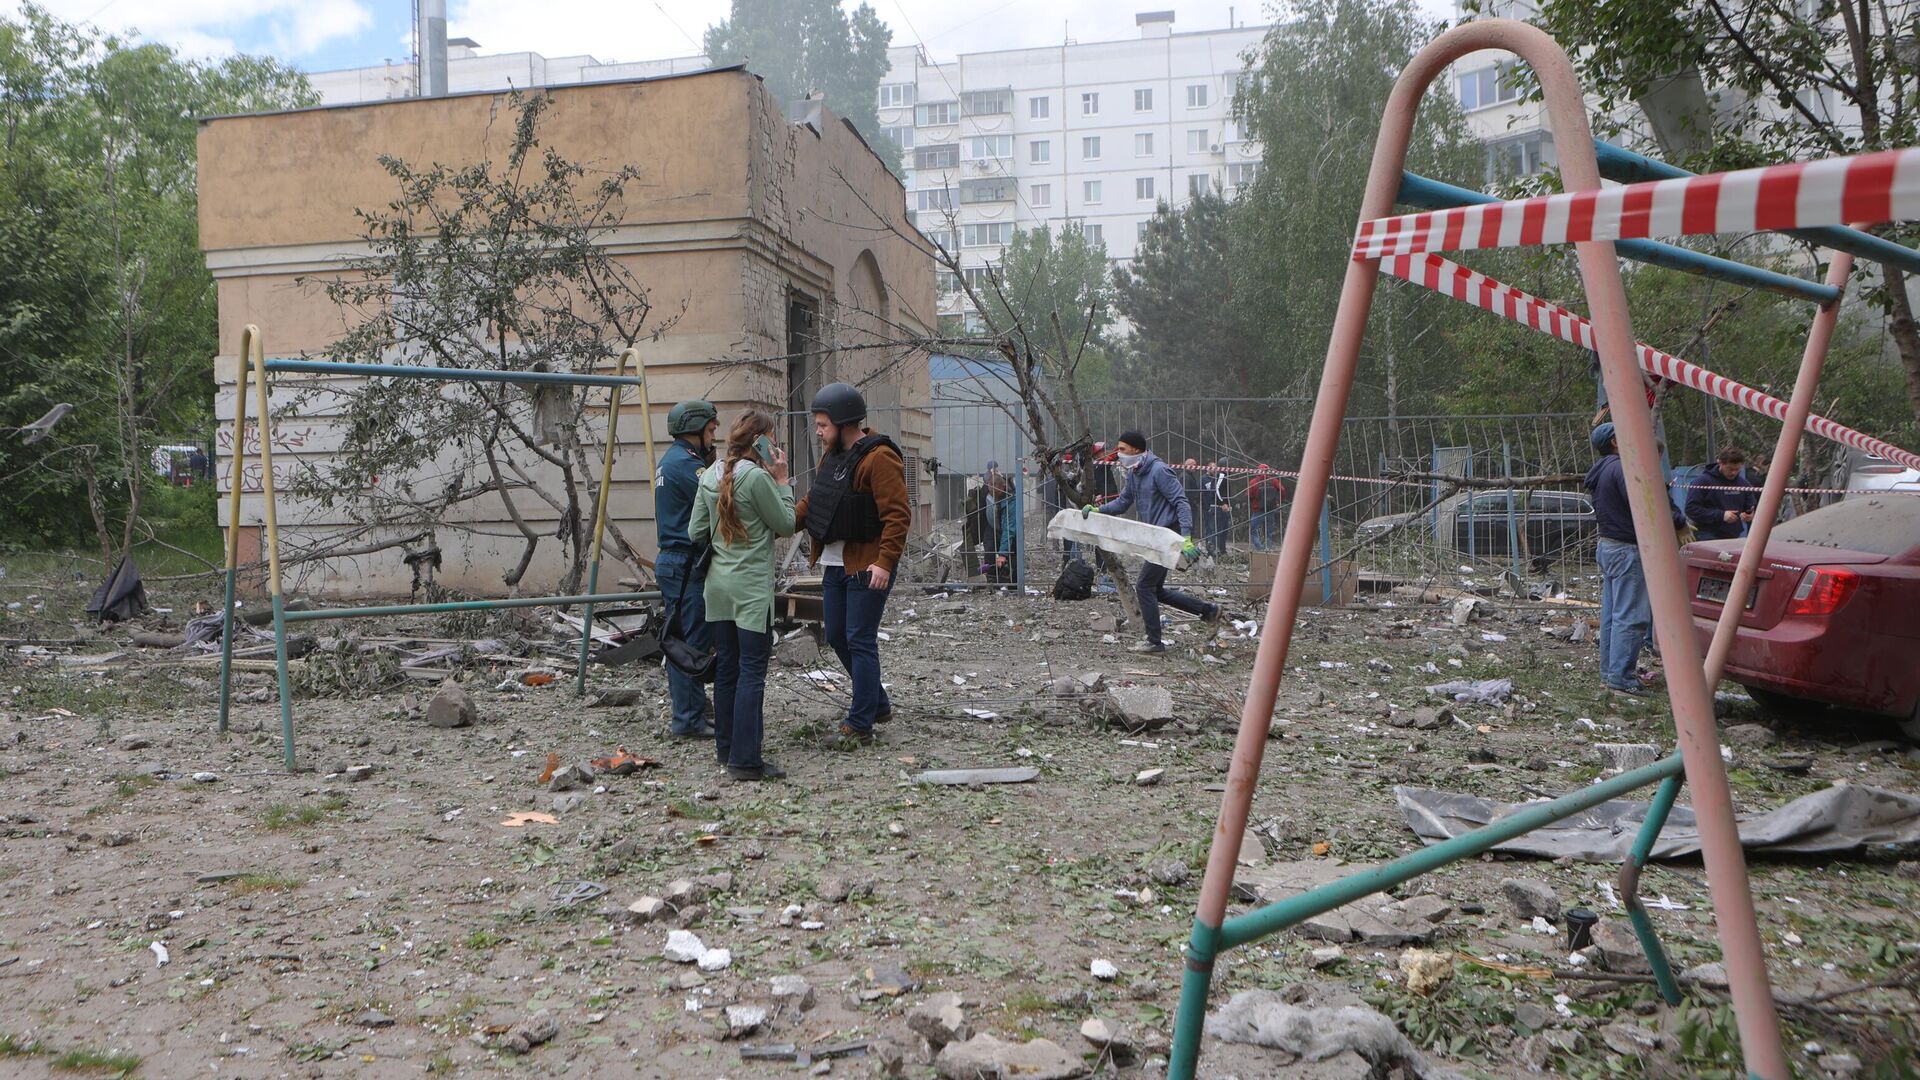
x: 1197, y: 142
x: 901, y: 134
x: 944, y: 239
x: 1143, y: 100
x: 1139, y: 232
x: 896, y: 95
x: 1242, y: 174
x: 938, y: 156
x: 1090, y: 191
x: 1039, y: 108
x: 1510, y: 159
x: 1143, y: 144
x: 985, y: 191
x: 1040, y: 194
x: 986, y: 234
x: 1090, y: 148
x: 939, y: 198
x: 1096, y: 234
x: 1090, y: 104
x: 977, y: 276
x: 1198, y: 184
x: 946, y: 281
x: 1243, y: 84
x: 986, y: 102
x: 1487, y: 87
x: 1143, y: 187
x: 985, y: 147
x: 1197, y: 96
x: 938, y: 114
x: 1039, y: 152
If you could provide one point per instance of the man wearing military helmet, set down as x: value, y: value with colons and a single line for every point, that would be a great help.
x: 682, y: 567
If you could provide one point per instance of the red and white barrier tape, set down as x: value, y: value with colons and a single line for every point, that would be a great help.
x: 1451, y: 279
x: 1864, y: 189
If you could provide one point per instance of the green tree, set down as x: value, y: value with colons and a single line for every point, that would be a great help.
x: 1058, y: 285
x: 1182, y: 297
x: 802, y: 46
x: 1316, y: 90
x: 105, y: 301
x: 1731, y: 83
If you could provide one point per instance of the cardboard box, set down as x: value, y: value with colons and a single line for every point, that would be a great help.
x: 1345, y: 581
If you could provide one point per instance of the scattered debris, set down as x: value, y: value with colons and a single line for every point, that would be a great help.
x: 1264, y: 1018
x: 1015, y: 775
x: 617, y: 697
x: 940, y: 1019
x: 523, y: 1037
x: 622, y: 763
x: 1626, y: 757
x: 683, y: 947
x: 1531, y: 899
x: 451, y: 707
x: 1103, y: 970
x: 1148, y: 777
x: 516, y: 820
x: 1426, y: 971
x: 1140, y: 708
x: 1476, y: 691
x: 984, y: 1057
x: 792, y: 991
x: 744, y: 1020
x: 160, y: 955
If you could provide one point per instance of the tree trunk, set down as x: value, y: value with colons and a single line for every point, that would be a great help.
x: 1905, y: 333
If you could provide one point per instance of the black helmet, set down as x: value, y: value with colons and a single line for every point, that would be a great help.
x: 841, y: 402
x: 690, y: 417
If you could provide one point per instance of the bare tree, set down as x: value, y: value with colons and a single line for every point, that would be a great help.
x: 495, y: 265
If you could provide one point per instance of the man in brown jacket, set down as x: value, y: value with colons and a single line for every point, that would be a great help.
x: 856, y: 518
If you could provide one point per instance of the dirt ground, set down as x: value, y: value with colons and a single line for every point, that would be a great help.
x: 325, y: 926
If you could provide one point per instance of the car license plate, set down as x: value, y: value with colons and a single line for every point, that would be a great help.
x: 1714, y: 590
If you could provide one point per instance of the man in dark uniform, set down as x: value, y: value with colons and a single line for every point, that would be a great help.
x: 682, y: 567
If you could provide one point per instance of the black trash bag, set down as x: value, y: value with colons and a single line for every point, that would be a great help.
x: 121, y: 596
x: 1075, y: 582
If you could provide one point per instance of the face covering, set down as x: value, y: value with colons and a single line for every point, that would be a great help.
x: 1129, y: 460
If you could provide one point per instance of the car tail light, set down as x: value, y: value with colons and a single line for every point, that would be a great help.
x: 1823, y: 591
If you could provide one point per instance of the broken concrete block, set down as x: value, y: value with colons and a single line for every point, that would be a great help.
x: 1148, y: 777
x: 1105, y: 1035
x: 1530, y: 899
x: 648, y: 909
x: 984, y: 1057
x: 1168, y: 871
x: 1140, y: 707
x: 940, y: 1019
x: 716, y: 960
x: 1325, y: 957
x: 531, y: 1032
x: 792, y: 990
x: 683, y: 947
x: 451, y: 707
x: 1619, y: 949
x: 683, y: 893
x: 1264, y: 1018
x: 1425, y: 907
x: 1626, y: 757
x: 576, y: 777
x: 1103, y: 970
x: 802, y: 650
x: 744, y: 1020
x: 1749, y: 735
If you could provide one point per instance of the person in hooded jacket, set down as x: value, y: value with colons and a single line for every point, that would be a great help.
x: 1157, y: 497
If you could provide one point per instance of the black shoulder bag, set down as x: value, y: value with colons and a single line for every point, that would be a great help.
x: 676, y: 651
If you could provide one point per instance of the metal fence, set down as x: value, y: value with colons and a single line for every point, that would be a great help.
x: 1415, y: 498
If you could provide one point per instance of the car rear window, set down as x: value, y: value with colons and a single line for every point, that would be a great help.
x: 1880, y: 524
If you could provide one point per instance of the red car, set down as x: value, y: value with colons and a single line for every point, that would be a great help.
x: 1834, y: 616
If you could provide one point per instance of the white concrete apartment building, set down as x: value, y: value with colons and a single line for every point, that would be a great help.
x: 1091, y: 135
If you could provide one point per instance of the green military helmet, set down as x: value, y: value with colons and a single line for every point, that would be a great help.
x: 691, y: 417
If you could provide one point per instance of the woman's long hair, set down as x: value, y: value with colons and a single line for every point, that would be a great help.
x: 752, y: 424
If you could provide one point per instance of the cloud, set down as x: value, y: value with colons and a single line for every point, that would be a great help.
x: 215, y: 28
x: 314, y: 25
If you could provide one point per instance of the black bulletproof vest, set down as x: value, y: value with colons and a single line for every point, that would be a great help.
x: 835, y: 511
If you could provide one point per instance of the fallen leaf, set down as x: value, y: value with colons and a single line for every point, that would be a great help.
x: 1322, y: 847
x: 516, y: 820
x: 993, y: 821
x: 705, y: 838
x: 537, y: 678
x: 553, y: 765
x: 1484, y: 729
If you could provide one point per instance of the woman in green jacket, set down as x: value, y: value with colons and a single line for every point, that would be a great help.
x: 743, y: 505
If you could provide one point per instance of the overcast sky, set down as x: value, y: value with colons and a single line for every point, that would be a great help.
x: 320, y: 35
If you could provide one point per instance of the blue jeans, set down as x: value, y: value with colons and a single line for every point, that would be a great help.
x: 1260, y: 529
x: 1626, y: 613
x: 739, y: 693
x: 676, y: 587
x: 852, y: 614
x: 1152, y: 591
x: 1219, y: 524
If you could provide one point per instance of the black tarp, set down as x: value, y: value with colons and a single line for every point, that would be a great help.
x: 121, y: 596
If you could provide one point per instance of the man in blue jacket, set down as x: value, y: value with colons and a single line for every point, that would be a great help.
x: 681, y: 568
x: 1626, y: 614
x: 1156, y: 497
x: 1721, y: 502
